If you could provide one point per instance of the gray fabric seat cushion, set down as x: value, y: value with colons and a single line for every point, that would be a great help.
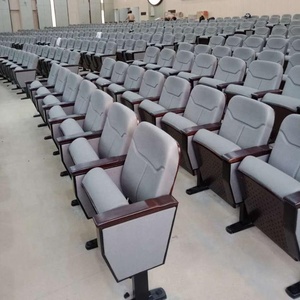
x: 92, y: 76
x: 131, y: 96
x: 152, y: 66
x: 152, y: 107
x: 138, y: 63
x: 282, y: 101
x: 215, y: 142
x: 268, y: 176
x: 102, y: 191
x: 42, y: 91
x: 177, y: 121
x: 116, y: 88
x: 102, y: 81
x: 50, y: 99
x: 235, y: 89
x: 70, y: 127
x: 167, y: 71
x: 56, y: 112
x: 210, y: 81
x: 187, y: 76
x: 35, y: 84
x: 82, y: 152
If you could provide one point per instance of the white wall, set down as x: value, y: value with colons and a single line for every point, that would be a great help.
x: 61, y: 12
x: 220, y: 8
x: 5, y: 23
x: 26, y: 14
x: 44, y: 13
x: 95, y: 11
x: 142, y: 4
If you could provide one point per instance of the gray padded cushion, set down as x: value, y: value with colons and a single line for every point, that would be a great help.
x: 134, y: 77
x: 71, y: 88
x: 271, y: 55
x: 107, y: 67
x: 177, y: 121
x: 286, y: 150
x: 246, y: 54
x: 151, y: 55
x: 70, y: 127
x: 82, y: 152
x: 35, y: 84
x: 240, y: 90
x: 175, y: 93
x: 83, y: 97
x: 91, y: 76
x: 149, y: 171
x: 117, y: 132
x: 221, y: 51
x: 215, y: 142
x: 50, y: 99
x: 202, y: 49
x: 229, y: 69
x: 255, y: 43
x: 151, y: 106
x: 97, y: 111
x: 292, y: 84
x: 56, y: 112
x: 115, y: 88
x: 61, y: 80
x: 102, y: 81
x: 263, y: 75
x: 282, y: 101
x: 131, y: 96
x: 42, y: 91
x: 278, y: 44
x: 247, y: 123
x: 104, y: 196
x: 269, y: 177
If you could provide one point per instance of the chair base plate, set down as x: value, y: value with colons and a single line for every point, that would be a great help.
x: 196, y: 189
x: 64, y: 173
x: 47, y: 137
x: 156, y: 294
x: 74, y: 202
x: 36, y: 115
x: 55, y: 153
x: 92, y: 244
x: 239, y: 226
x: 293, y: 290
x: 42, y: 125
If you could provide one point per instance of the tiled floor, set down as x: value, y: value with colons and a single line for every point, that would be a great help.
x: 42, y: 254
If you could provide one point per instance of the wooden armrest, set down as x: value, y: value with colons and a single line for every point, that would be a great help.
x: 44, y: 96
x: 105, y: 163
x: 60, y: 119
x: 66, y: 66
x: 226, y: 84
x: 63, y: 140
x: 149, y: 98
x: 133, y: 211
x: 158, y: 114
x: 260, y: 94
x: 102, y: 85
x: 48, y: 106
x: 293, y: 199
x: 25, y: 70
x: 192, y: 130
x: 178, y: 110
x: 239, y: 155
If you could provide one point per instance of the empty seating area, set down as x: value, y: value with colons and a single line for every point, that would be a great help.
x: 155, y: 142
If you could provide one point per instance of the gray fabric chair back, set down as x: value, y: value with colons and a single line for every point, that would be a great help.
x: 199, y: 30
x: 157, y: 38
x: 120, y: 43
x: 107, y: 67
x: 51, y: 52
x: 110, y: 48
x: 100, y: 47
x: 262, y: 31
x: 279, y: 30
x: 25, y: 59
x: 85, y: 45
x: 204, y: 65
x: 292, y: 84
x: 168, y: 39
x: 149, y: 171
x: 247, y: 123
x: 183, y: 61
x: 92, y: 46
x: 129, y: 44
x: 118, y: 131
x: 190, y: 38
x: 71, y: 87
x: 83, y: 97
x: 264, y: 75
x: 254, y: 42
x: 74, y: 58
x: 293, y: 61
x: 58, y: 54
x: 295, y: 47
x: 119, y: 72
x: 65, y: 56
x: 230, y: 69
x: 205, y: 105
x: 233, y: 42
x: 140, y: 45
x: 202, y: 49
x: 185, y: 46
x: 152, y: 84
x: 221, y: 51
x: 166, y: 57
x: 33, y: 61
x: 134, y: 77
x: 61, y: 80
x: 97, y: 111
x: 246, y: 54
x: 179, y: 37
x: 175, y: 93
x: 216, y: 41
x: 271, y: 55
x: 136, y: 36
x: 286, y: 149
x: 71, y: 43
x: 211, y: 30
x: 53, y: 74
x: 147, y: 37
x: 278, y: 44
x: 63, y: 43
